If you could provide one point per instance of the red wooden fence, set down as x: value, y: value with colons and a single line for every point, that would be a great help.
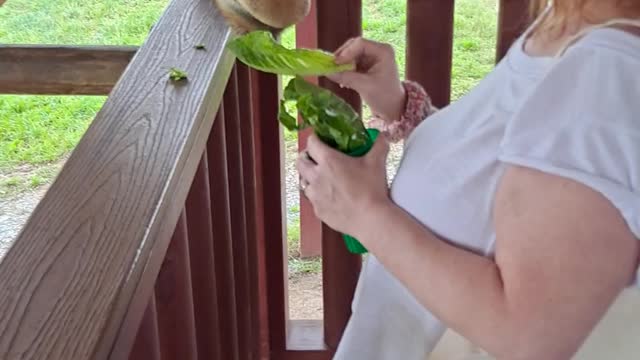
x: 164, y: 235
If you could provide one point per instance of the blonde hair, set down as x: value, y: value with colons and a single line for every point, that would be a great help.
x: 562, y: 9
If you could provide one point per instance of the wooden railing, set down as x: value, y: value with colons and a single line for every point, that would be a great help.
x: 163, y: 235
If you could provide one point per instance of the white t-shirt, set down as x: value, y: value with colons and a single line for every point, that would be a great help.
x: 577, y: 116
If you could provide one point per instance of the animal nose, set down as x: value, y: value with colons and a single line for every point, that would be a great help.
x: 271, y: 15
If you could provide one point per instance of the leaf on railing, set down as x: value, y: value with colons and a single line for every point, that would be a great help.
x: 176, y: 74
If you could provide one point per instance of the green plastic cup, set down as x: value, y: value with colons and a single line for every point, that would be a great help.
x: 353, y: 245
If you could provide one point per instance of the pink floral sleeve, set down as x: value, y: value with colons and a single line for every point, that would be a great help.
x: 418, y: 108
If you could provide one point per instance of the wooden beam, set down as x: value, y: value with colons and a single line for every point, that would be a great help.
x: 310, y: 226
x: 513, y: 19
x: 147, y: 345
x: 256, y: 240
x: 270, y: 226
x: 338, y: 21
x: 205, y: 287
x: 174, y: 299
x: 77, y: 281
x: 62, y: 70
x: 430, y: 46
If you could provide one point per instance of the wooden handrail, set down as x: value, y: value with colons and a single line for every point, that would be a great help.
x: 62, y: 70
x: 76, y: 282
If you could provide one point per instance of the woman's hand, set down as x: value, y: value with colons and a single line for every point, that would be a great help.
x: 376, y: 77
x: 343, y: 189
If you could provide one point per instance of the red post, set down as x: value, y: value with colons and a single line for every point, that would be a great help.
x: 310, y: 226
x: 174, y: 301
x: 238, y: 215
x: 205, y: 292
x: 222, y: 243
x: 338, y: 21
x: 270, y: 208
x: 147, y: 345
x: 429, y: 61
x: 256, y: 240
x: 513, y: 20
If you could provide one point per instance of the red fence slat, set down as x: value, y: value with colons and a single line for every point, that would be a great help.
x: 222, y: 247
x: 310, y: 226
x: 430, y: 46
x: 269, y: 200
x: 238, y: 220
x: 337, y: 22
x: 513, y: 19
x: 205, y: 292
x: 256, y: 246
x: 174, y: 302
x: 147, y: 345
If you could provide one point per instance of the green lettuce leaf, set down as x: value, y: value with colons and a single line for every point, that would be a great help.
x: 332, y: 119
x: 259, y: 50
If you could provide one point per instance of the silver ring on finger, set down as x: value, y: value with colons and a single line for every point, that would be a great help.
x: 304, y: 184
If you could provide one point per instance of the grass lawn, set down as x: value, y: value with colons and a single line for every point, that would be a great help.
x: 36, y: 131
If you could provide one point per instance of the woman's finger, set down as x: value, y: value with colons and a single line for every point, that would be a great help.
x: 361, y: 48
x: 306, y: 168
x: 380, y: 148
x: 318, y: 150
x: 344, y: 46
x: 350, y: 79
x: 353, y: 51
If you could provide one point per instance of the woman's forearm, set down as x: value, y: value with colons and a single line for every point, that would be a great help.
x: 444, y: 278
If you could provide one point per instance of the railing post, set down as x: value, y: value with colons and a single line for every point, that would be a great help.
x: 268, y: 156
x: 203, y: 275
x: 238, y: 214
x: 256, y: 244
x: 513, y: 19
x: 147, y: 345
x: 174, y: 300
x: 222, y: 243
x: 310, y: 226
x: 430, y: 46
x: 338, y: 21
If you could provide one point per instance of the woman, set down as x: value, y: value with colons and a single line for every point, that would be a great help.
x: 514, y: 217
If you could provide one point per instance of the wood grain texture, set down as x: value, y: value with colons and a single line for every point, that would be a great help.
x: 430, y: 46
x: 337, y: 22
x: 62, y: 70
x: 77, y: 281
x: 513, y: 20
